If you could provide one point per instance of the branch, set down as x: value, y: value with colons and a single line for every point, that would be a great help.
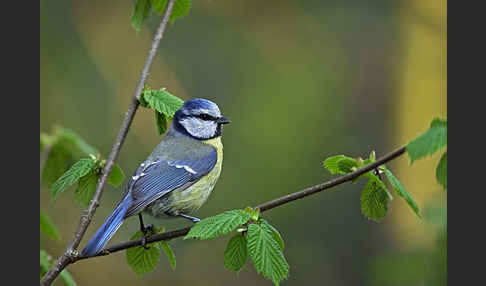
x: 85, y: 220
x: 263, y: 207
x: 329, y: 184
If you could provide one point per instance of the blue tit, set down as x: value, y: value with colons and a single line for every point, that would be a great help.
x: 177, y: 177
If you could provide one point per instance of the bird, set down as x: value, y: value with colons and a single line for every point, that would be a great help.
x: 177, y: 177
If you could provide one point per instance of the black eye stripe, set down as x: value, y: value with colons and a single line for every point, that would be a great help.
x: 206, y: 117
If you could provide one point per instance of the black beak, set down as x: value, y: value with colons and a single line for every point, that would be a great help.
x: 223, y: 120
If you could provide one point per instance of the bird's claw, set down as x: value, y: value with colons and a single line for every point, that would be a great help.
x: 145, y: 231
x: 144, y: 243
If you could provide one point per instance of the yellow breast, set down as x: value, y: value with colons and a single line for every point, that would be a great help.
x: 192, y: 198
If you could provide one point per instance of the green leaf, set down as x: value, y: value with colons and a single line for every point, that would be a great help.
x: 48, y: 227
x: 274, y: 232
x: 78, y: 170
x: 374, y: 201
x: 143, y: 260
x: 140, y: 13
x: 266, y: 254
x: 401, y: 191
x: 253, y: 212
x: 170, y: 254
x: 161, y: 122
x: 75, y: 142
x: 116, y: 176
x: 180, y: 8
x: 331, y: 164
x: 346, y: 165
x: 66, y: 147
x: 340, y: 164
x: 429, y: 142
x: 86, y: 188
x: 441, y: 171
x: 58, y: 161
x: 371, y: 175
x: 142, y: 100
x: 236, y: 252
x: 162, y: 101
x: 218, y: 225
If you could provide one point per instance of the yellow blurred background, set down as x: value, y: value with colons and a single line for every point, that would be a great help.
x: 301, y: 81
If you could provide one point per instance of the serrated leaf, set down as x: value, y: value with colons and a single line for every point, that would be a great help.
x: 236, y: 252
x: 401, y: 191
x: 180, y: 8
x: 441, y: 171
x: 143, y: 260
x: 218, y: 225
x: 170, y: 254
x: 346, y: 164
x: 161, y: 122
x: 140, y: 13
x: 374, y: 201
x: 274, y: 232
x: 48, y: 227
x: 429, y: 142
x: 162, y: 101
x: 266, y: 254
x: 78, y: 170
x: 116, y: 176
x: 331, y: 164
x: 371, y: 175
x: 86, y: 189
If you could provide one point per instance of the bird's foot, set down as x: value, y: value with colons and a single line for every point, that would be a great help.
x: 145, y: 232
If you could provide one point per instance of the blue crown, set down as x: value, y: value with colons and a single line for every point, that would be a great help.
x: 199, y: 103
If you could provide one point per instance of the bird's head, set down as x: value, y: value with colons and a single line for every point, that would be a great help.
x: 200, y: 119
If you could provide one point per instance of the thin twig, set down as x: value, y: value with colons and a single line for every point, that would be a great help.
x: 263, y: 207
x: 71, y: 252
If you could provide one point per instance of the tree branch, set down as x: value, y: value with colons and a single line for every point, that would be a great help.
x: 71, y: 252
x: 263, y: 207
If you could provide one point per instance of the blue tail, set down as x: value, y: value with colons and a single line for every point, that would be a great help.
x: 108, y: 229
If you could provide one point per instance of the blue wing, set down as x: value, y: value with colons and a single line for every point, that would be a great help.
x: 159, y: 177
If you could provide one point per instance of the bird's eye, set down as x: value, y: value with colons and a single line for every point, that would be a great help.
x: 205, y: 117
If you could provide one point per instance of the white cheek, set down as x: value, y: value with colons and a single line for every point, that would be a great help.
x: 199, y: 128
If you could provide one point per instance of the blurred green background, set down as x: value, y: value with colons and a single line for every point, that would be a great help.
x: 301, y: 81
